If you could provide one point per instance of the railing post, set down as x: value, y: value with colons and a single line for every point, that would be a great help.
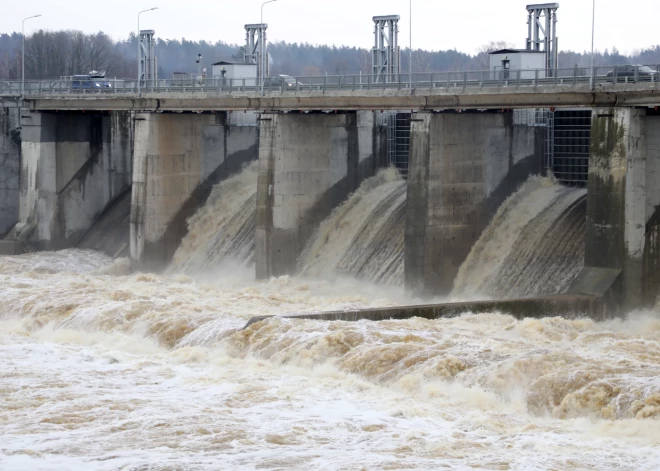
x: 369, y: 82
x: 464, y: 80
x: 575, y: 75
x: 536, y: 78
x: 325, y: 83
x: 481, y: 82
x: 431, y: 86
x: 353, y: 82
x: 339, y: 82
x: 448, y: 79
x: 399, y: 82
x: 636, y: 74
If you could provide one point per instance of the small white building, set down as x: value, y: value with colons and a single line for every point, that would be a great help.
x: 225, y: 70
x: 505, y: 61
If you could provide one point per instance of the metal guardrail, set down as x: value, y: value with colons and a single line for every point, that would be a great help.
x: 418, y: 82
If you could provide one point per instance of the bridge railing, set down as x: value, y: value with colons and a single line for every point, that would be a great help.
x: 449, y: 81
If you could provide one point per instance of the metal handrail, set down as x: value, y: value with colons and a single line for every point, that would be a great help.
x: 448, y: 81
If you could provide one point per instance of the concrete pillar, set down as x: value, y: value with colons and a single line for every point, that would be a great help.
x: 72, y: 167
x: 308, y: 164
x: 462, y: 167
x: 177, y: 160
x: 10, y: 164
x: 617, y: 206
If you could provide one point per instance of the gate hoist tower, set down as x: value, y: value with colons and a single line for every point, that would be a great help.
x: 542, y: 32
x: 385, y: 55
x: 148, y: 66
x: 255, y: 49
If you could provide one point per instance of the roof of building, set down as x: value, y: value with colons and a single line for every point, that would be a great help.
x: 232, y: 63
x: 516, y: 51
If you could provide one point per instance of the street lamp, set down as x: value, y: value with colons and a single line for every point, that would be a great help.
x: 410, y: 60
x: 262, y: 46
x: 139, y: 75
x: 593, y: 25
x: 23, y: 53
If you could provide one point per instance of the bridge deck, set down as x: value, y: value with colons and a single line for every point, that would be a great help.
x: 580, y: 95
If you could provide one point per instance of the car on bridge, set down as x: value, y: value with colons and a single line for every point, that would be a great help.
x: 280, y: 81
x: 626, y: 73
x: 91, y: 81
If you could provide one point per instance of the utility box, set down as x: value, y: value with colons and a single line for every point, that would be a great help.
x: 223, y: 71
x: 507, y: 64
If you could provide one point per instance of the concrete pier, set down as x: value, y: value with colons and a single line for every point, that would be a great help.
x: 177, y: 160
x: 462, y: 168
x: 10, y: 165
x: 622, y: 201
x: 308, y: 165
x: 72, y: 166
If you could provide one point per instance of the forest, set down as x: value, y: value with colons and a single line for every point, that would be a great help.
x: 54, y: 54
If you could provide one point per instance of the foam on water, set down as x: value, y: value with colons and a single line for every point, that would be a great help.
x: 104, y: 371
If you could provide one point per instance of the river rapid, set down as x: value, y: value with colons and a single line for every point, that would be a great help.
x: 105, y: 370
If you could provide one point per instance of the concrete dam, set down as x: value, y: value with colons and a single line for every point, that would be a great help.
x: 315, y: 193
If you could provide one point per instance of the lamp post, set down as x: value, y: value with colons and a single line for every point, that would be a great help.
x: 23, y: 52
x: 262, y: 46
x: 410, y: 60
x: 593, y: 27
x: 139, y: 75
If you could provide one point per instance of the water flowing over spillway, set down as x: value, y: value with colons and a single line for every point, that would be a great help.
x: 223, y: 229
x: 533, y: 246
x: 364, y: 237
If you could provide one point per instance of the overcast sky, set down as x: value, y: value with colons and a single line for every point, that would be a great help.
x: 436, y: 24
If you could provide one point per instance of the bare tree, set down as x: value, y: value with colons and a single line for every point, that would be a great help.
x: 482, y: 53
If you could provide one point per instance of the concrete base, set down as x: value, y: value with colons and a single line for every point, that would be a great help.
x: 462, y: 168
x: 308, y: 165
x: 12, y: 247
x: 574, y: 306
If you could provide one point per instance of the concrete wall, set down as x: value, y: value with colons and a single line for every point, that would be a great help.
x: 73, y: 165
x: 178, y: 159
x: 10, y: 165
x: 462, y: 167
x: 308, y: 164
x: 623, y: 197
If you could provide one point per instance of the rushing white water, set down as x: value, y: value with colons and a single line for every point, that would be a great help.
x: 118, y: 372
x: 223, y: 229
x: 533, y: 246
x: 363, y: 237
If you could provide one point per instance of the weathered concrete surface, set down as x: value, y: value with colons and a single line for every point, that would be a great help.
x: 10, y: 166
x: 622, y: 197
x: 462, y: 167
x: 178, y: 159
x: 73, y: 165
x: 308, y: 164
x: 422, y: 99
x: 562, y: 305
x: 651, y: 264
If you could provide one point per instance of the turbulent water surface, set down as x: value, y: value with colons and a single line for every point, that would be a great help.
x: 103, y: 370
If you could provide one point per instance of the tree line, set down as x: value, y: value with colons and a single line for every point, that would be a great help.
x: 54, y: 54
